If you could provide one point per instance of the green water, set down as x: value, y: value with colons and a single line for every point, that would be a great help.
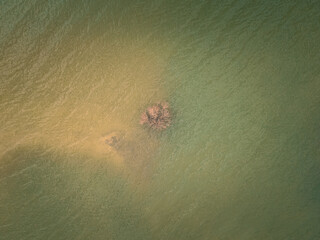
x: 241, y: 159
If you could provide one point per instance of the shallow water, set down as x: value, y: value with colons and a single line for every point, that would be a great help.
x: 240, y: 161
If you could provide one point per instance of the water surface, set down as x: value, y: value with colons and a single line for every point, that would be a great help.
x: 241, y: 160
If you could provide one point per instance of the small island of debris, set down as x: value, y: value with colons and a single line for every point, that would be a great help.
x: 157, y: 117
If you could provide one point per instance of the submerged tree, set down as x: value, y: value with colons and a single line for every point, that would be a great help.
x: 157, y: 116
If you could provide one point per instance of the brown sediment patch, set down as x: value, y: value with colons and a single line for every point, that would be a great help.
x: 104, y: 96
x: 113, y: 138
x: 134, y: 151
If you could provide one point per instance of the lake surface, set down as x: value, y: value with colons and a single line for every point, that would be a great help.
x: 240, y: 161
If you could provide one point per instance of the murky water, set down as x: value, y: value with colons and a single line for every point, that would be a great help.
x: 240, y: 161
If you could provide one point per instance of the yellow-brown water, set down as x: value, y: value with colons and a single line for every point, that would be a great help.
x: 240, y: 161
